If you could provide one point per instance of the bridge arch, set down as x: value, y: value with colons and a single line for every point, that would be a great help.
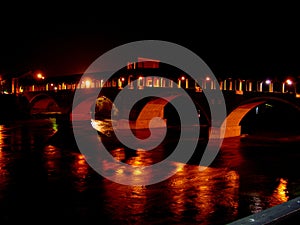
x: 43, y: 104
x: 153, y: 108
x: 232, y: 123
x: 99, y: 109
x: 104, y: 108
x: 162, y: 108
x: 140, y: 115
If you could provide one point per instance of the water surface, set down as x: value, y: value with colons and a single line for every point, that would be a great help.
x: 44, y: 178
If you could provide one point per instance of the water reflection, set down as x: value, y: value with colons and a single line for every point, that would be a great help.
x: 58, y: 180
x: 80, y: 170
x: 191, y: 195
x: 200, y: 195
x: 281, y: 192
x: 4, y: 160
x: 256, y: 204
x: 1, y: 135
x: 119, y: 173
x: 125, y: 204
x: 52, y: 156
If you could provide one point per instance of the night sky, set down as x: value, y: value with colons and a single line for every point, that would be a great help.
x: 244, y: 44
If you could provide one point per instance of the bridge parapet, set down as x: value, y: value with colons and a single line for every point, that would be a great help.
x: 239, y: 100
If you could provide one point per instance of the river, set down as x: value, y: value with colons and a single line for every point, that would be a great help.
x: 44, y: 178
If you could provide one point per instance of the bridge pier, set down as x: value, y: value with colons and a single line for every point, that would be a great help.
x: 153, y: 123
x: 225, y: 132
x: 232, y: 131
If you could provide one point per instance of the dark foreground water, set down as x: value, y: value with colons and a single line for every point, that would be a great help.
x: 44, y: 179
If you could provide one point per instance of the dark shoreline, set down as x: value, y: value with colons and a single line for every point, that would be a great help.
x: 266, y: 139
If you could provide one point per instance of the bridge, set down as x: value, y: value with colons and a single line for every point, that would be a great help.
x: 242, y: 96
x: 238, y: 104
x: 56, y: 96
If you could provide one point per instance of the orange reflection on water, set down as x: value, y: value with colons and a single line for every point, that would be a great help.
x: 1, y: 136
x: 281, y: 193
x: 52, y: 156
x: 136, y: 172
x: 80, y: 170
x: 3, y: 172
x: 190, y: 189
x: 188, y: 195
x: 3, y: 160
x: 127, y: 203
x: 138, y: 200
x: 141, y: 158
x: 118, y: 154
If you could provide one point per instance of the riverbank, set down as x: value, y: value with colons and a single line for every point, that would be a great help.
x: 271, y: 139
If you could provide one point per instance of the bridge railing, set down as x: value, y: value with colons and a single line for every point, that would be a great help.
x: 238, y: 86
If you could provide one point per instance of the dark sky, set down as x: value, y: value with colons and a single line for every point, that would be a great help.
x: 243, y: 44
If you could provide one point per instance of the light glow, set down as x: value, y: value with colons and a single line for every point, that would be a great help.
x: 87, y: 83
x: 40, y: 76
x: 268, y: 82
x: 289, y: 82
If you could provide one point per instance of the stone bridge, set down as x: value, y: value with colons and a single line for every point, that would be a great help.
x: 89, y: 103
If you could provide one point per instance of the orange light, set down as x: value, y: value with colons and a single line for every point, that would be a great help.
x: 81, y: 157
x: 289, y: 82
x: 40, y: 76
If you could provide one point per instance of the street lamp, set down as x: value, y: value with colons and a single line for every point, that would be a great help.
x: 40, y: 76
x: 180, y: 81
x: 16, y: 80
x: 270, y: 85
x: 287, y: 84
x: 88, y: 83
